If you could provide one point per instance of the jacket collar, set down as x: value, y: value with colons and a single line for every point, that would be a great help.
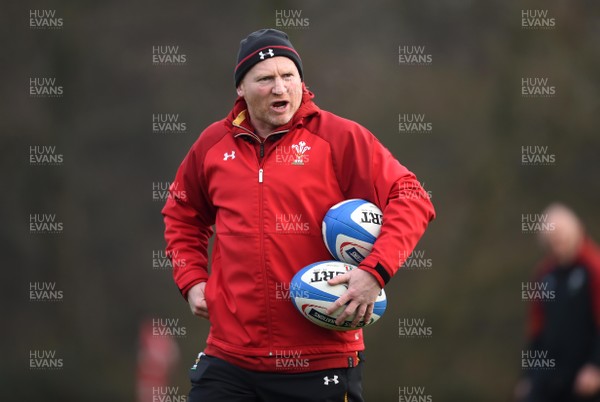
x: 239, y: 121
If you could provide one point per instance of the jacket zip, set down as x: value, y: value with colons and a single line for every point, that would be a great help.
x: 261, y: 162
x: 262, y: 254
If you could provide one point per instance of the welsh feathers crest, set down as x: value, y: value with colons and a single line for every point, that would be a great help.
x: 300, y: 150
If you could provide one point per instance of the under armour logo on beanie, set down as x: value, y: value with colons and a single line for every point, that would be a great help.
x: 269, y: 53
x: 262, y: 45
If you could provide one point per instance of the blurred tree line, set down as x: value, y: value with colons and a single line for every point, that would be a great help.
x: 470, y: 162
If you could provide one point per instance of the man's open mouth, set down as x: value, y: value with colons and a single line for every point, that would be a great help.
x: 279, y: 106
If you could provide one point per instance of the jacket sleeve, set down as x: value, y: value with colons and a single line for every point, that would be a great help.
x: 372, y: 173
x: 189, y: 216
x: 407, y: 210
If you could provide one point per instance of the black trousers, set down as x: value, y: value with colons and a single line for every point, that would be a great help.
x: 215, y: 380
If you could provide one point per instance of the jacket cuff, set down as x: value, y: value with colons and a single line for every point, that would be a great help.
x: 184, y: 291
x: 379, y: 272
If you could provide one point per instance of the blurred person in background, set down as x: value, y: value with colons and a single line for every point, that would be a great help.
x: 564, y: 322
x: 278, y: 154
x: 157, y: 357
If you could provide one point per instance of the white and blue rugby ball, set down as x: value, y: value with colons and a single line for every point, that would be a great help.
x: 312, y: 296
x: 350, y: 229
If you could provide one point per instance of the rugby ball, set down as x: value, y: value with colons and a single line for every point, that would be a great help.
x: 312, y: 296
x: 350, y: 229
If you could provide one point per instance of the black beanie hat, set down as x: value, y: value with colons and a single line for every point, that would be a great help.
x: 259, y: 46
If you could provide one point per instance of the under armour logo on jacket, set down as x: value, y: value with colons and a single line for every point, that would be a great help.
x: 226, y: 156
x: 269, y: 53
x: 327, y: 380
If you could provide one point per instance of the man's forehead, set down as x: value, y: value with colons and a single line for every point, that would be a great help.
x: 274, y: 64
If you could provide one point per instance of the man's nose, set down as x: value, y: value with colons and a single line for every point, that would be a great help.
x: 279, y: 87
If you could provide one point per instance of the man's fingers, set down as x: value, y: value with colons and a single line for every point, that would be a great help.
x: 336, y: 280
x: 341, y: 301
x: 360, y: 313
x: 369, y: 313
x: 199, y: 307
x: 348, y: 311
x: 197, y: 301
x: 358, y: 300
x: 200, y: 311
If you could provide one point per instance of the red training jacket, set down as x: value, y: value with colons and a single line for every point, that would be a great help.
x: 266, y: 199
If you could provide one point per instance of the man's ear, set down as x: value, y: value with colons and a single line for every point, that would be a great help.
x: 240, y: 89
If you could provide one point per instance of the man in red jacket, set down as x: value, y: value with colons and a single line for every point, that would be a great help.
x: 277, y: 157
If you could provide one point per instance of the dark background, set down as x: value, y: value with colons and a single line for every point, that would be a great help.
x: 470, y: 161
